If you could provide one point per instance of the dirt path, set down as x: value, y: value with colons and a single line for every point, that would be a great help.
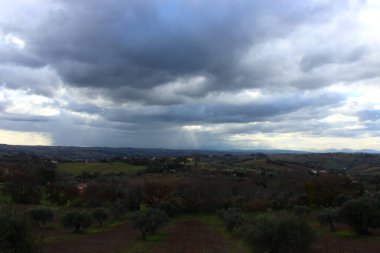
x: 192, y: 237
x: 329, y: 244
x: 113, y: 240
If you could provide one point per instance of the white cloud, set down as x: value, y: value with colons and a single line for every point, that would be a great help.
x: 302, y: 141
x: 305, y: 81
x: 14, y: 41
x: 20, y: 102
x: 24, y: 138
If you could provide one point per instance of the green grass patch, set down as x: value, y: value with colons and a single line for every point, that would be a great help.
x: 344, y: 234
x: 151, y: 242
x: 108, y: 224
x: 102, y: 168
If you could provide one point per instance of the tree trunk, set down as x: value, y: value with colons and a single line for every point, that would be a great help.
x: 332, y: 227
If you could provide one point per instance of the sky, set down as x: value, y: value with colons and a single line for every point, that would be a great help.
x: 191, y: 74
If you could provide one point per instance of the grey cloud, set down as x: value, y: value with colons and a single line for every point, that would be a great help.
x: 86, y: 108
x: 42, y: 81
x: 141, y: 59
x: 222, y: 113
x: 333, y: 56
x: 26, y: 118
x: 369, y: 115
x: 141, y: 45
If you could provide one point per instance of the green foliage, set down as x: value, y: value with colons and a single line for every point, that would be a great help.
x: 97, y: 194
x: 16, y: 234
x: 77, y: 220
x: 323, y: 190
x: 149, y: 221
x: 99, y: 168
x: 118, y: 208
x: 155, y: 191
x: 23, y: 193
x: 327, y: 217
x: 301, y: 211
x: 376, y: 196
x: 170, y: 207
x: 46, y: 175
x: 40, y: 215
x: 278, y: 234
x: 61, y: 193
x: 231, y: 217
x: 360, y: 214
x: 100, y: 214
x: 341, y: 199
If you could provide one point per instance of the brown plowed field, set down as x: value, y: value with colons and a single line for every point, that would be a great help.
x: 192, y: 237
x: 114, y: 240
x: 329, y: 244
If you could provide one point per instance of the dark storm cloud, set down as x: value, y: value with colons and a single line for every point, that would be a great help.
x: 86, y: 108
x: 136, y: 73
x: 143, y: 44
x: 42, y: 81
x: 222, y: 112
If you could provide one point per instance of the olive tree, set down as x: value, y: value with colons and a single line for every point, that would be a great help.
x: 77, y: 220
x: 16, y: 234
x: 100, y: 214
x: 327, y: 217
x: 149, y: 221
x: 360, y: 214
x: 278, y: 234
x: 231, y: 217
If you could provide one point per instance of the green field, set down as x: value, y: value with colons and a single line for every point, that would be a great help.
x: 102, y: 168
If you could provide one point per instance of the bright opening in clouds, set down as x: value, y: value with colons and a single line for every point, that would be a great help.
x: 213, y: 74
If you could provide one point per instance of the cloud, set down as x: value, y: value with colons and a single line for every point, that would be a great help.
x: 190, y: 73
x: 138, y: 45
x: 24, y: 138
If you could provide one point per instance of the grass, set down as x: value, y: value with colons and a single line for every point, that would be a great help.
x: 3, y: 197
x: 102, y: 168
x: 344, y: 234
x: 149, y: 244
x: 213, y: 221
x: 95, y: 229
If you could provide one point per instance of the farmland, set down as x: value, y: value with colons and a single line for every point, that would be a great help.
x: 101, y: 168
x: 199, y: 203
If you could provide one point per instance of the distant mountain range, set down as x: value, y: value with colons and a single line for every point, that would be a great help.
x: 347, y: 150
x: 76, y: 153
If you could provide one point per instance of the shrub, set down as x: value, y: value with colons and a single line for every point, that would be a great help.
x: 340, y: 200
x: 149, y: 221
x: 327, y: 217
x: 169, y: 207
x: 40, y: 215
x: 16, y: 234
x: 23, y: 193
x: 118, y: 208
x: 376, y: 196
x: 77, y: 220
x: 100, y: 214
x: 324, y: 189
x: 231, y: 217
x: 360, y: 214
x: 61, y: 193
x: 278, y: 234
x: 301, y: 211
